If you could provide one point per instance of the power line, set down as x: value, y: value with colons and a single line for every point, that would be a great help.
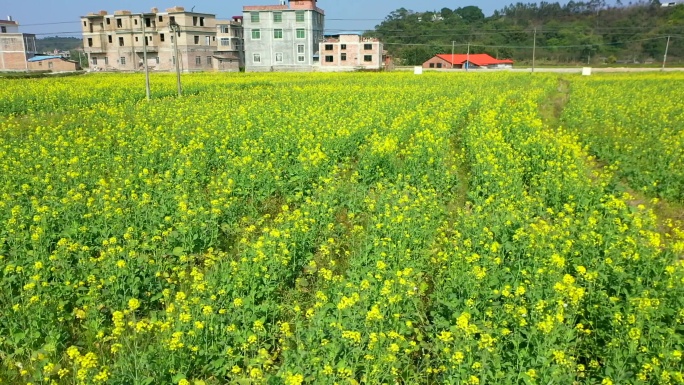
x: 526, y: 47
x: 55, y: 23
x: 480, y: 30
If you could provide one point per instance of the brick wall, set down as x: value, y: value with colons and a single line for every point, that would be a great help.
x: 54, y: 65
x: 12, y: 55
x: 12, y: 61
x: 436, y: 62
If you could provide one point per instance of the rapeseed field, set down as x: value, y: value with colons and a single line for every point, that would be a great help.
x: 341, y: 229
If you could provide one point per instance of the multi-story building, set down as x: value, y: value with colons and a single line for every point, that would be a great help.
x: 283, y: 37
x: 230, y: 45
x: 115, y: 41
x: 15, y: 47
x: 351, y: 52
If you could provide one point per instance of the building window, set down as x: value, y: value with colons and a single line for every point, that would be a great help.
x: 196, y: 39
x: 50, y: 64
x: 122, y: 60
x: 367, y: 58
x: 208, y: 60
x: 121, y: 42
x: 277, y: 33
x: 300, y: 53
x: 432, y: 65
x: 106, y: 60
x: 329, y: 59
x: 109, y: 21
x: 368, y: 47
x: 94, y: 61
x: 161, y: 19
x: 277, y: 17
x: 279, y: 57
x: 344, y: 46
x: 85, y: 24
x: 225, y: 42
x: 148, y: 22
x: 256, y: 34
x: 301, y: 34
x: 198, y: 60
x: 119, y: 23
x: 328, y: 47
x: 162, y: 38
x: 254, y: 16
x: 343, y: 57
x: 110, y: 39
x: 300, y: 16
x: 90, y: 42
x: 194, y: 21
x: 201, y: 22
x: 439, y: 65
x: 136, y: 39
x: 172, y: 19
x: 207, y: 40
x: 257, y: 58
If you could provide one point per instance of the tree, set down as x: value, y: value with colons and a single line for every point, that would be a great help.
x: 446, y: 13
x: 416, y: 55
x: 470, y: 14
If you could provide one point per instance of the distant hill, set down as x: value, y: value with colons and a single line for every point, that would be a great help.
x: 48, y: 44
x: 576, y: 32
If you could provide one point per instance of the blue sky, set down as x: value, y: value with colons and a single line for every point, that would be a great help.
x: 365, y: 14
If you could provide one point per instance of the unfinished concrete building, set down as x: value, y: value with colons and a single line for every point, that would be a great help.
x: 350, y: 52
x: 16, y: 48
x: 230, y: 49
x: 116, y: 41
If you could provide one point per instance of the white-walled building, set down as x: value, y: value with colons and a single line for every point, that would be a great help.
x: 283, y: 37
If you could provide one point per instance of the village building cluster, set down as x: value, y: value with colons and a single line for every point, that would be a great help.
x: 288, y: 36
x: 284, y: 37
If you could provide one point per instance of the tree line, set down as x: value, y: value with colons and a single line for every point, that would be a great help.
x: 577, y: 32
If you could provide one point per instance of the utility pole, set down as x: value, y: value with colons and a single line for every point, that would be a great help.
x: 147, y: 68
x: 534, y: 50
x: 452, y: 54
x: 175, y: 33
x: 468, y: 59
x: 667, y: 47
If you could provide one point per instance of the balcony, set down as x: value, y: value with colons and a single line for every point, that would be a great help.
x: 94, y: 49
x: 150, y: 48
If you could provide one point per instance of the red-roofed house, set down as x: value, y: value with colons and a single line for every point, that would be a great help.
x: 480, y: 60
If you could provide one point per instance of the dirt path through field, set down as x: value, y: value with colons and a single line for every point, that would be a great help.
x: 670, y: 214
